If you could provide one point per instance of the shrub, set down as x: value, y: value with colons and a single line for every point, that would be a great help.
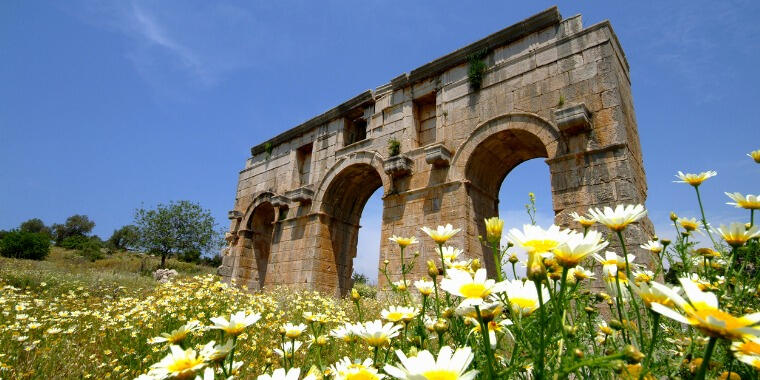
x: 74, y: 242
x: 91, y: 250
x: 25, y: 245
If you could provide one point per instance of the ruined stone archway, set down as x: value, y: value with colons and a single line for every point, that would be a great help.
x: 490, y: 153
x: 341, y: 200
x: 551, y: 88
x: 255, y: 241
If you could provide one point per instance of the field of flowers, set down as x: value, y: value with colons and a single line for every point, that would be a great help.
x: 582, y: 310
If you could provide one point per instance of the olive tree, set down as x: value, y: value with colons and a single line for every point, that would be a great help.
x: 176, y: 228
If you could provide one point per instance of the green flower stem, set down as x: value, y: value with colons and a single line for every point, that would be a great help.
x: 593, y: 362
x: 652, y: 342
x: 374, y: 356
x: 403, y: 275
x: 751, y: 217
x: 443, y: 263
x: 486, y: 344
x: 630, y: 290
x: 232, y: 352
x: 437, y: 300
x: 706, y: 359
x: 734, y: 251
x: 497, y: 260
x: 704, y: 220
x: 618, y: 301
x: 359, y: 310
x: 542, y: 348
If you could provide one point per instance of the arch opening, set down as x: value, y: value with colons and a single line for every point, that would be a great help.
x: 343, y: 203
x: 260, y: 228
x: 492, y: 160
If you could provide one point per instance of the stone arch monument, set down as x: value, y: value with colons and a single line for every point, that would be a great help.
x: 551, y: 89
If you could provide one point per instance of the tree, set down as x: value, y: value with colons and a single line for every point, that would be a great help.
x: 176, y: 228
x: 36, y: 226
x: 76, y: 225
x: 25, y: 245
x: 124, y: 238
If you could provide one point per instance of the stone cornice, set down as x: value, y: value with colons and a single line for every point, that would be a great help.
x: 334, y: 113
x: 509, y: 34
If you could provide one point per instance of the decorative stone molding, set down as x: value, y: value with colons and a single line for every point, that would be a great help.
x: 573, y: 119
x: 302, y: 194
x: 398, y: 166
x: 234, y: 214
x: 437, y: 155
x: 280, y: 201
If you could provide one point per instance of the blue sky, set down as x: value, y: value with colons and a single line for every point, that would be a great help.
x: 105, y: 106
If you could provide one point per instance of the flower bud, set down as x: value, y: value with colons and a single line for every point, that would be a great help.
x: 432, y: 269
x: 725, y: 375
x: 632, y: 354
x: 441, y: 325
x: 536, y: 270
x: 578, y: 353
x: 321, y: 340
x: 673, y: 216
x: 355, y: 294
x: 601, y: 296
x: 447, y: 313
x: 615, y: 324
x: 475, y: 265
x: 665, y: 241
x: 386, y: 262
x: 513, y: 258
x: 570, y: 330
x: 589, y: 309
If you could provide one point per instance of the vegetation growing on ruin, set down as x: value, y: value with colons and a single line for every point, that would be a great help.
x: 477, y: 69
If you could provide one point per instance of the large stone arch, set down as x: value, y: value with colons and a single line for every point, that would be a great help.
x: 485, y: 158
x: 525, y: 122
x: 339, y: 201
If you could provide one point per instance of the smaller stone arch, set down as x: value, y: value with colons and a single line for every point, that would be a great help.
x: 264, y: 196
x: 255, y: 241
x: 533, y: 124
x: 361, y: 157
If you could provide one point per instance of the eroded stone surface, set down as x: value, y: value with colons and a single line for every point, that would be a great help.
x: 342, y: 155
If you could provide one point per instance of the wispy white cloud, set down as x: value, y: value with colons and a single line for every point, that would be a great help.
x: 179, y: 48
x: 145, y: 25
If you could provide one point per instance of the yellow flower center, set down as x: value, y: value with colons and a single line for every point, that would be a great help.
x: 441, y: 374
x: 474, y: 290
x: 730, y: 322
x: 540, y: 245
x: 394, y: 316
x: 377, y: 341
x: 183, y: 364
x: 235, y: 329
x: 523, y: 303
x: 750, y: 348
x: 363, y: 374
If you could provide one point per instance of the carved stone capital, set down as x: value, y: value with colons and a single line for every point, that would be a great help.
x: 280, y: 201
x: 437, y: 155
x: 302, y: 194
x: 398, y: 166
x: 573, y: 119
